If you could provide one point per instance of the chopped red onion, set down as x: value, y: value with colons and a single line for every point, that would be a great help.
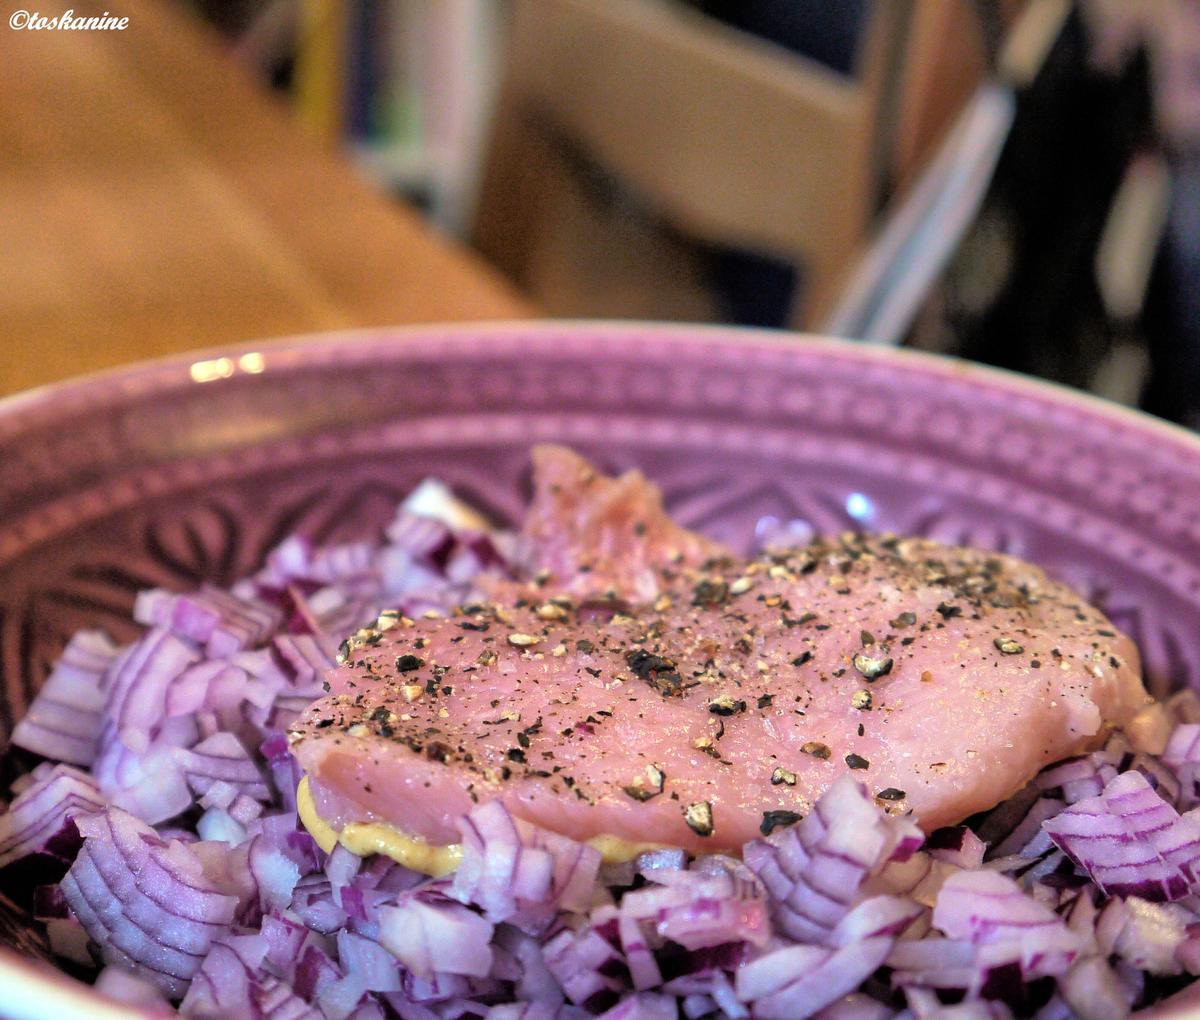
x: 305, y: 659
x: 643, y: 1006
x: 1024, y: 836
x: 644, y: 971
x: 856, y: 1006
x: 146, y: 903
x: 432, y: 937
x: 875, y: 917
x: 150, y: 786
x: 843, y: 916
x: 1077, y: 778
x: 958, y: 846
x: 990, y: 909
x: 812, y: 870
x: 1182, y: 756
x: 1093, y: 991
x: 41, y: 819
x: 219, y: 825
x: 933, y: 963
x: 339, y: 999
x: 314, y: 971
x: 275, y: 873
x: 370, y: 961
x: 699, y: 910
x: 1130, y: 841
x: 222, y: 757
x: 524, y: 1011
x: 219, y: 621
x: 1146, y: 935
x: 67, y: 714
x: 796, y: 982
x: 231, y: 984
x: 1161, y: 778
x: 137, y: 685
x: 313, y: 903
x: 519, y: 873
x: 580, y: 962
x: 535, y: 983
x: 121, y: 986
x: 342, y: 866
x: 1183, y: 745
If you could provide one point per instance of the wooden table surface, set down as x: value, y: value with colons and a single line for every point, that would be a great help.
x: 154, y: 199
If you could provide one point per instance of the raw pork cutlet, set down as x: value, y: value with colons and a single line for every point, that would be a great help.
x: 721, y: 698
x: 586, y: 534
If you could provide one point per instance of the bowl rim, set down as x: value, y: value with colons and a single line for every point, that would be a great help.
x: 289, y: 351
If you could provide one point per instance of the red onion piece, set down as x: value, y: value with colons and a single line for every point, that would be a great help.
x: 813, y: 870
x: 520, y: 873
x: 855, y: 1006
x: 222, y: 757
x: 959, y: 847
x: 436, y: 937
x: 305, y: 658
x: 66, y: 716
x: 218, y: 620
x: 875, y: 917
x: 121, y: 986
x: 796, y: 982
x: 1093, y: 992
x: 137, y: 685
x: 1183, y: 745
x: 987, y: 909
x: 150, y: 785
x: 643, y: 1006
x: 1148, y: 936
x: 1130, y: 841
x: 69, y: 940
x: 370, y: 961
x: 40, y: 820
x: 699, y: 910
x: 580, y: 962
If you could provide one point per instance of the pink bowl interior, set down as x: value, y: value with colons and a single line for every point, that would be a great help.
x: 191, y: 469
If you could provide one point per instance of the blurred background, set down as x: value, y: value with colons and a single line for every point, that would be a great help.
x: 1013, y: 181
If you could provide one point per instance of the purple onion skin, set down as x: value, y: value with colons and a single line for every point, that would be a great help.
x: 48, y: 902
x: 1064, y: 880
x: 20, y: 879
x: 675, y: 961
x: 949, y: 838
x: 1024, y: 998
x: 1156, y: 892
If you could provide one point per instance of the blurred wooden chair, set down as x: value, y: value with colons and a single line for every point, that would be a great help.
x: 725, y: 138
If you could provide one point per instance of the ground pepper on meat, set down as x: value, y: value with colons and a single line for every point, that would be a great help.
x: 695, y: 643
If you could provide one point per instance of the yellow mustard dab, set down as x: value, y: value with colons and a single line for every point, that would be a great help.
x: 366, y: 838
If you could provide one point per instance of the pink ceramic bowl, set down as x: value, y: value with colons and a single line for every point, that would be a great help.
x: 191, y: 468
